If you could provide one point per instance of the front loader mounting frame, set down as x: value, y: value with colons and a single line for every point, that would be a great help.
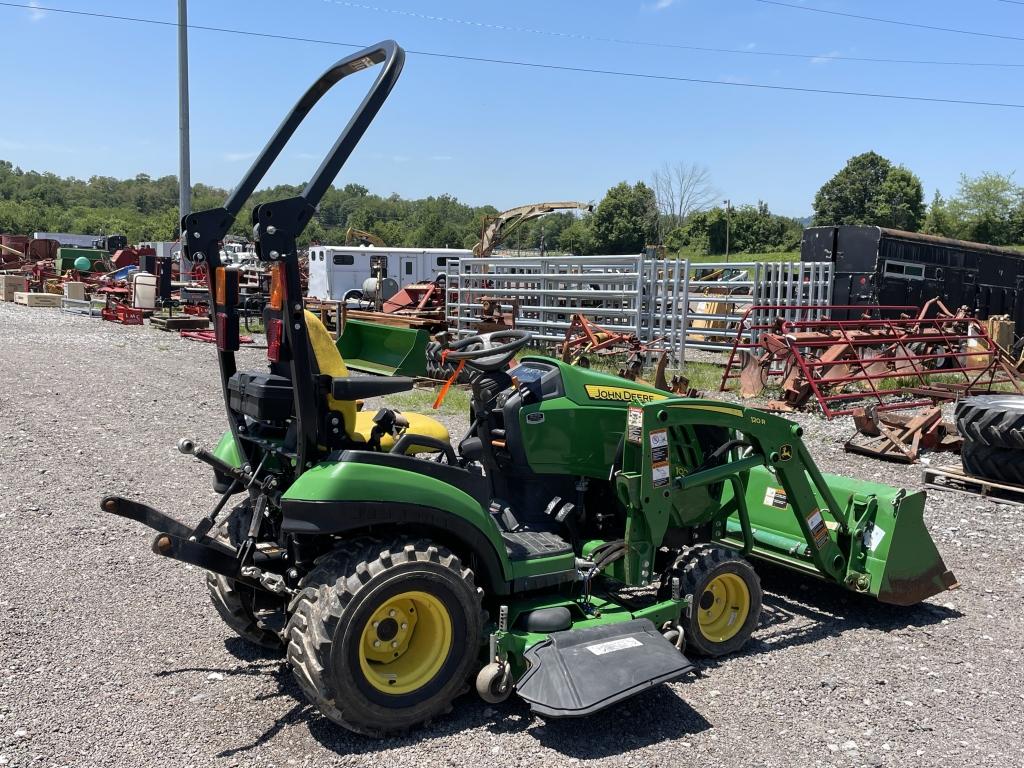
x: 769, y: 500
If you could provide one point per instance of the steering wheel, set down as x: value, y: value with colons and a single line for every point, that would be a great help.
x: 489, y: 351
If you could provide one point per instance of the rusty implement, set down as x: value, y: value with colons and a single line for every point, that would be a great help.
x: 417, y: 298
x: 493, y: 315
x: 889, y: 357
x: 678, y: 385
x: 900, y: 437
x: 583, y: 337
x: 116, y: 312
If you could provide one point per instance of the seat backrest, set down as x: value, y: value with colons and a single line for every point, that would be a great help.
x: 330, y: 363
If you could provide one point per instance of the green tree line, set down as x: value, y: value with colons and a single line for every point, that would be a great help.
x: 145, y: 208
x: 870, y: 189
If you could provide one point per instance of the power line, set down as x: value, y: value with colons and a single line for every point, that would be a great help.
x: 890, y: 21
x: 538, y: 65
x: 654, y: 43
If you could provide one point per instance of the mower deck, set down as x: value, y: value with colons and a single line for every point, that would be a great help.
x: 581, y: 671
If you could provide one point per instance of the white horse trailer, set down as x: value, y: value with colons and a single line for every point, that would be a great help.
x: 335, y: 271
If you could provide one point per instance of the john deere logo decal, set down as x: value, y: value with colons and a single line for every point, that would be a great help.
x: 786, y: 452
x: 621, y: 394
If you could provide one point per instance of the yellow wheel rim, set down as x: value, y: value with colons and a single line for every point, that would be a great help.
x: 723, y: 608
x: 405, y: 642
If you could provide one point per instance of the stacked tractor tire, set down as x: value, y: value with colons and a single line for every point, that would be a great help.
x: 993, y: 430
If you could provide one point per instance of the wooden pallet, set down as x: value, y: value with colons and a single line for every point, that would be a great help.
x: 953, y: 478
x: 179, y: 322
x: 86, y: 307
x: 37, y: 299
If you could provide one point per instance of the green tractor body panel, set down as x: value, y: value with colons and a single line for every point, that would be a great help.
x: 383, y: 349
x: 580, y: 432
x: 227, y: 450
x: 342, y: 481
x: 772, y: 504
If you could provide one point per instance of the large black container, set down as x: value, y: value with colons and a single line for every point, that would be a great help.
x: 875, y: 265
x: 263, y: 396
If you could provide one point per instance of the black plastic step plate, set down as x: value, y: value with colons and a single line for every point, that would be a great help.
x: 579, y: 672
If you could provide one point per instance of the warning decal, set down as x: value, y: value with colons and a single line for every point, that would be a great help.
x: 660, y: 470
x: 600, y: 649
x: 660, y: 474
x: 818, y: 530
x: 775, y: 497
x: 659, y: 445
x: 873, y: 537
x: 635, y: 425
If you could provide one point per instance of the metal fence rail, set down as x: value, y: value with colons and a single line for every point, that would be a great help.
x: 670, y: 304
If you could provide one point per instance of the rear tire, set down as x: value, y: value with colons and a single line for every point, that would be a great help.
x: 383, y: 636
x: 993, y: 463
x: 992, y: 420
x: 726, y: 599
x: 241, y: 608
x: 255, y: 616
x: 992, y: 427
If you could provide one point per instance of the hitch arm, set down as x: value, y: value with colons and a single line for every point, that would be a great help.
x: 155, y: 519
x: 205, y: 556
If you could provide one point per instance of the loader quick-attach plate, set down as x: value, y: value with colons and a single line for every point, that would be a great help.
x: 582, y: 671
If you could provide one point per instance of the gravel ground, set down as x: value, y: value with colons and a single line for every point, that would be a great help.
x: 110, y: 655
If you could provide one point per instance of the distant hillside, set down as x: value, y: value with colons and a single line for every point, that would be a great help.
x: 144, y: 208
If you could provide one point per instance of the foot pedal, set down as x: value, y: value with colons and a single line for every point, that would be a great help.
x: 582, y: 671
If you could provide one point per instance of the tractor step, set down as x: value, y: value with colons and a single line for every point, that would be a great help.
x: 526, y: 545
x: 581, y: 671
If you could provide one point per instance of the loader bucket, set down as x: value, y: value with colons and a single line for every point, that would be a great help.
x: 906, y: 564
x: 890, y: 556
x: 383, y: 349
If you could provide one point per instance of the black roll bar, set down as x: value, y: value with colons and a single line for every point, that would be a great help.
x: 202, y: 232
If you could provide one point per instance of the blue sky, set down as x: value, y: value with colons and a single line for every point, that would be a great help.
x: 84, y: 96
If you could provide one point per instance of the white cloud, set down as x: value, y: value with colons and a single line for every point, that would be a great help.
x: 659, y: 5
x: 234, y: 157
x: 442, y: 158
x: 36, y: 13
x: 826, y: 58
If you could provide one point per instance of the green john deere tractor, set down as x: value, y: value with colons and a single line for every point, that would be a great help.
x: 393, y: 567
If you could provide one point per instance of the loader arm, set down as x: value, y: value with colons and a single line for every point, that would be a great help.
x: 770, y: 501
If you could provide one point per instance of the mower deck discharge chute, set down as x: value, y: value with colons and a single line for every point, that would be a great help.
x: 392, y: 566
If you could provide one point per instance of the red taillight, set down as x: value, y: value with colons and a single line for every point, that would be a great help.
x: 274, y: 329
x: 221, y: 327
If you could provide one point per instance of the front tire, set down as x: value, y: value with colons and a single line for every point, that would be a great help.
x: 383, y: 636
x: 726, y: 595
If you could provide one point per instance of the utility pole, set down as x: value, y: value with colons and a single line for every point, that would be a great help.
x: 728, y: 209
x: 184, y: 177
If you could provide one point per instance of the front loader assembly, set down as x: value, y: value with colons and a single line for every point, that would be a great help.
x: 766, y: 498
